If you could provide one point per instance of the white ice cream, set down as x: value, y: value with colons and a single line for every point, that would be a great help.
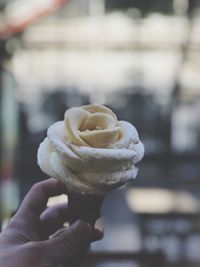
x: 91, y: 152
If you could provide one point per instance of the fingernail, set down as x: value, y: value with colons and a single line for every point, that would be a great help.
x: 98, y: 234
x: 83, y: 229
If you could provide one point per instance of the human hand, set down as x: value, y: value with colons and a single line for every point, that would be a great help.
x: 25, y: 241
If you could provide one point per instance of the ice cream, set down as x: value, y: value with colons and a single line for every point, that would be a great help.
x: 91, y: 151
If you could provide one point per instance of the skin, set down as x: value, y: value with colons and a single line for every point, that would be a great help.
x: 25, y: 241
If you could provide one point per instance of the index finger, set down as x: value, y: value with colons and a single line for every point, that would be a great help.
x: 36, y: 199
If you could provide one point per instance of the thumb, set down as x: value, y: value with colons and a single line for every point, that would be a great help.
x: 67, y: 244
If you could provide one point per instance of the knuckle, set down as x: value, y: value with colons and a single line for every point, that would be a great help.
x: 19, y: 221
x: 15, y: 224
x: 12, y: 222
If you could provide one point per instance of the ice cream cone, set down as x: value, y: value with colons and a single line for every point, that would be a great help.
x: 84, y: 207
x: 93, y: 153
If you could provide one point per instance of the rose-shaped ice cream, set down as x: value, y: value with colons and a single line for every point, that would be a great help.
x: 91, y: 151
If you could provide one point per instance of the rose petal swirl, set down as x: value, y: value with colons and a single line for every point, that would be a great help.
x: 91, y: 151
x: 92, y: 125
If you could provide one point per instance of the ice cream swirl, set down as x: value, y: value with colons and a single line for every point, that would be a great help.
x: 91, y: 151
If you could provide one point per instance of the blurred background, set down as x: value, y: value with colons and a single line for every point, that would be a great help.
x: 142, y: 59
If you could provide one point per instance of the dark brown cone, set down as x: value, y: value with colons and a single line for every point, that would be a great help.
x: 84, y: 207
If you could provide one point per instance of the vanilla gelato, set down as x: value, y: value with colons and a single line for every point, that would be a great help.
x: 91, y: 151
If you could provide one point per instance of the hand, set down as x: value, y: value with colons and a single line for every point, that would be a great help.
x: 26, y: 243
